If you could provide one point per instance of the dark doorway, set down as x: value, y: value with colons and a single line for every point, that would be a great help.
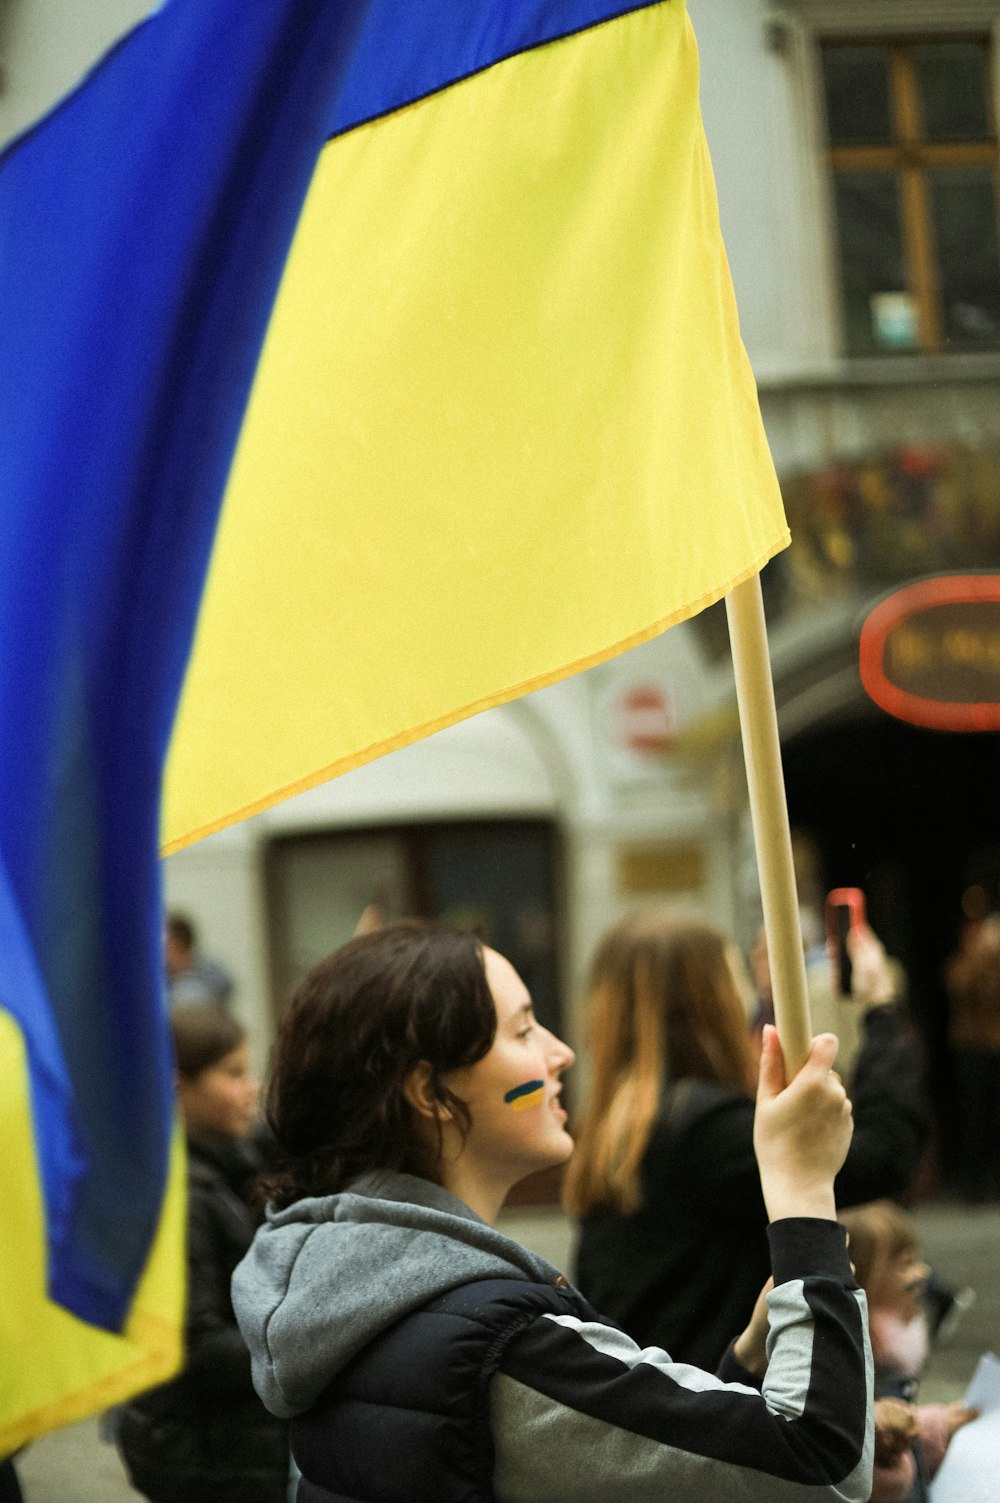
x: 913, y: 818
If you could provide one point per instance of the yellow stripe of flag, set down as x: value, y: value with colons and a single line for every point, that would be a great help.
x: 503, y: 427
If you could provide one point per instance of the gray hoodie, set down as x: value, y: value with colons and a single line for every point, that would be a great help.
x: 326, y: 1276
x: 578, y: 1413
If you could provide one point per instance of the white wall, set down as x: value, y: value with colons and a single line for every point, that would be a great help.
x: 759, y: 112
x: 46, y: 46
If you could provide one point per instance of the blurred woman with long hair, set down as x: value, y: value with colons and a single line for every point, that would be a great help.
x: 664, y: 1179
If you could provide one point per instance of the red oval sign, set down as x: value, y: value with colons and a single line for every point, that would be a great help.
x: 930, y: 653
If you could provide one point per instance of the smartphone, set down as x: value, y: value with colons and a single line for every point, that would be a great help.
x: 845, y: 910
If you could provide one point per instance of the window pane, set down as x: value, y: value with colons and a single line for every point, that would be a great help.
x: 964, y: 211
x: 954, y: 90
x: 856, y: 84
x: 871, y: 257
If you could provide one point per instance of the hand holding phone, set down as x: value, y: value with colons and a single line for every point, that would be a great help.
x: 845, y: 911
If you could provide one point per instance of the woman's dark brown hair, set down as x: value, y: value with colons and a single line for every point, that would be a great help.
x: 354, y: 1030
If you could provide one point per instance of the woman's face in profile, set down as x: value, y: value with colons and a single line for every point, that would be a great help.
x: 518, y: 1124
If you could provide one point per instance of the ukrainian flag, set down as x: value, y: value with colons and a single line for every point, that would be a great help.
x: 502, y: 427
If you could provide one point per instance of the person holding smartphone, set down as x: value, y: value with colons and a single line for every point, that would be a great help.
x: 672, y: 1239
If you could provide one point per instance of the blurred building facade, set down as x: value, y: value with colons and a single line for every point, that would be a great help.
x: 861, y: 214
x: 855, y: 147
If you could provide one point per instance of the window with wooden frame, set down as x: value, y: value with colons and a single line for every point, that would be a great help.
x: 912, y: 150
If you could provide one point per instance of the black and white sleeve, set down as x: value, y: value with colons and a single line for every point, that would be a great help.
x: 581, y: 1415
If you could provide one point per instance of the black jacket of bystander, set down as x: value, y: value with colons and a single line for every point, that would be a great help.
x: 205, y: 1437
x: 684, y: 1271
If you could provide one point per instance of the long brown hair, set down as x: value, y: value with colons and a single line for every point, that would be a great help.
x: 352, y: 1033
x: 662, y: 1006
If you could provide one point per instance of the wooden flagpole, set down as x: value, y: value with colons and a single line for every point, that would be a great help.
x: 769, y: 812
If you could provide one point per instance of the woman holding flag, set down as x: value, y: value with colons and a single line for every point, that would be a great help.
x: 419, y: 1353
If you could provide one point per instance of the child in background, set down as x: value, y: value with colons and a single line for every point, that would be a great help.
x: 205, y: 1437
x: 911, y: 1439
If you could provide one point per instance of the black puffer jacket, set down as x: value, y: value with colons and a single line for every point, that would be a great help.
x: 424, y: 1357
x: 684, y: 1271
x: 205, y: 1437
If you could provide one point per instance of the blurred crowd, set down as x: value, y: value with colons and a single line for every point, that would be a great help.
x: 703, y: 1178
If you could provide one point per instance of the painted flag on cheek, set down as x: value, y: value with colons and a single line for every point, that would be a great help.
x: 521, y: 1097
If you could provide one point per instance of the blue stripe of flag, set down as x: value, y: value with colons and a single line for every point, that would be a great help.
x: 143, y: 228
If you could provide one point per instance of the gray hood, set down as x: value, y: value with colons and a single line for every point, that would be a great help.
x: 327, y: 1275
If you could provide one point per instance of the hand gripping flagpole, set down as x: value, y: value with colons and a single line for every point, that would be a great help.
x: 769, y: 812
